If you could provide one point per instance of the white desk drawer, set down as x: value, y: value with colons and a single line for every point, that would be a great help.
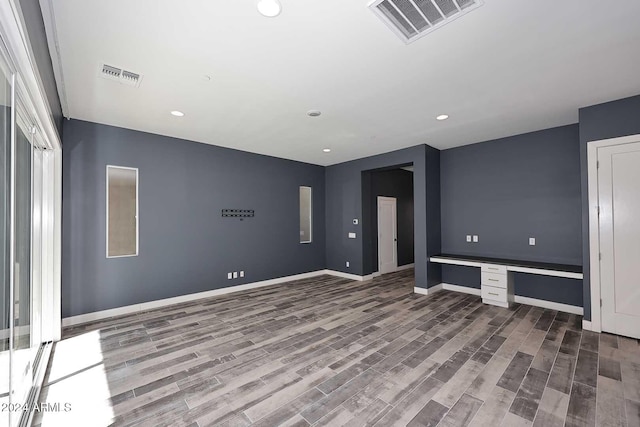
x: 493, y: 279
x: 492, y: 293
x: 493, y: 268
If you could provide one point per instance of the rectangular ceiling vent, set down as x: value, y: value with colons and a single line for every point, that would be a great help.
x: 412, y: 19
x: 119, y: 75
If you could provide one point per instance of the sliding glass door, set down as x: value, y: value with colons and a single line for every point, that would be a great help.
x: 26, y: 256
x: 26, y: 231
x: 6, y: 79
x: 30, y: 210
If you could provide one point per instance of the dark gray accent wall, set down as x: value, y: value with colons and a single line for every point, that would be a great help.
x: 506, y: 191
x: 555, y: 289
x: 461, y: 275
x: 32, y: 16
x: 510, y: 189
x: 185, y: 244
x: 344, y: 202
x: 395, y: 183
x: 602, y: 121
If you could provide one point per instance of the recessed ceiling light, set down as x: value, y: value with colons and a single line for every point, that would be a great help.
x: 326, y: 150
x: 313, y: 113
x: 177, y: 113
x: 442, y: 117
x: 269, y: 8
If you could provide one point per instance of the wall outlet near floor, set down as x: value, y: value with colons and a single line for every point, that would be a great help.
x: 229, y: 275
x: 242, y: 273
x: 468, y: 238
x: 475, y: 238
x: 532, y: 241
x: 235, y: 274
x: 347, y: 264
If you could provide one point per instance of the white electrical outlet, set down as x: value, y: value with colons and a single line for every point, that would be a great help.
x: 235, y: 274
x: 468, y: 238
x: 532, y: 241
x: 347, y: 263
x: 242, y: 273
x: 475, y: 238
x: 352, y: 235
x: 229, y: 275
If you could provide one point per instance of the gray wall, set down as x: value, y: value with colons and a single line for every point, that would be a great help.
x: 344, y: 201
x: 608, y: 120
x: 185, y: 245
x: 510, y: 189
x: 32, y: 17
x: 395, y: 183
x: 506, y: 191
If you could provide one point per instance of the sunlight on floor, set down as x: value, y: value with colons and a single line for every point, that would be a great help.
x: 77, y: 391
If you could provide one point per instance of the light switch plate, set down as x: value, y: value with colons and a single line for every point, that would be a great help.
x: 235, y: 274
x: 229, y: 275
x: 352, y: 235
x: 532, y: 241
x: 242, y: 273
x: 347, y: 264
x: 469, y: 238
x: 475, y: 239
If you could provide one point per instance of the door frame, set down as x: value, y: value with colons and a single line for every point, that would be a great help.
x: 395, y: 228
x: 594, y: 225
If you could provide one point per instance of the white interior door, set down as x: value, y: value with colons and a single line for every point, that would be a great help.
x: 387, y: 235
x: 619, y: 223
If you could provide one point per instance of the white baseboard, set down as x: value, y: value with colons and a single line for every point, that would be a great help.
x: 463, y: 289
x: 406, y: 267
x: 428, y: 291
x: 549, y: 304
x: 517, y: 298
x: 587, y: 325
x: 349, y: 275
x: 136, y: 308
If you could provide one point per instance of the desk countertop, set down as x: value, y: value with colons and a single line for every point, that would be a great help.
x: 515, y: 263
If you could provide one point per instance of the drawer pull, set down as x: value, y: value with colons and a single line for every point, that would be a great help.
x: 494, y: 280
x: 491, y: 293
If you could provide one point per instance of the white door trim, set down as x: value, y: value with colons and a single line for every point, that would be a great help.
x: 594, y: 226
x: 395, y: 232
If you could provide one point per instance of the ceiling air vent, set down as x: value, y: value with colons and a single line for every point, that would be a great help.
x: 412, y: 19
x: 119, y: 75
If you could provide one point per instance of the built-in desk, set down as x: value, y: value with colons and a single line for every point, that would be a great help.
x: 496, y: 274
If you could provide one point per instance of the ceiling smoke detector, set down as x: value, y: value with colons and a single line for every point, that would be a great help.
x: 119, y: 75
x: 412, y: 19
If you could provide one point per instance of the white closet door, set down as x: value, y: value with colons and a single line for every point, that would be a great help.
x: 619, y: 200
x: 387, y: 235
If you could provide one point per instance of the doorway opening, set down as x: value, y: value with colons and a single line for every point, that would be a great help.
x: 388, y: 219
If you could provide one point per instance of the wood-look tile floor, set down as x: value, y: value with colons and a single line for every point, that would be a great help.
x: 329, y: 351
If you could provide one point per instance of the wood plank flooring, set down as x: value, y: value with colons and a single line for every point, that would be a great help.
x: 328, y: 351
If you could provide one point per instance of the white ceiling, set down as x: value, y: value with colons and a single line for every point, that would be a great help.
x: 506, y: 68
